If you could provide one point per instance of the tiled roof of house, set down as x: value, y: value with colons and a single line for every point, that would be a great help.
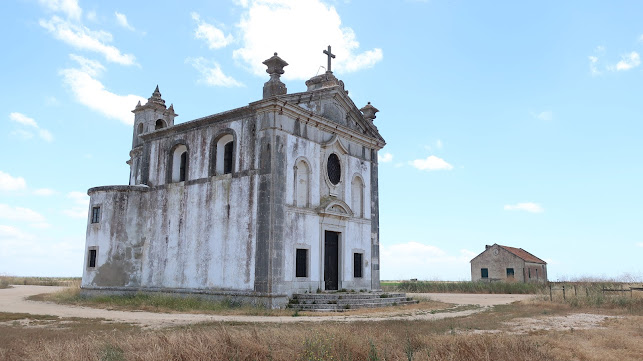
x: 526, y: 256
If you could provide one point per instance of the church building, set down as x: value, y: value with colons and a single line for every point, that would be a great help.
x: 253, y: 204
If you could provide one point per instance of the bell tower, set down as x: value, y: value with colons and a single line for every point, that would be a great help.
x: 152, y: 116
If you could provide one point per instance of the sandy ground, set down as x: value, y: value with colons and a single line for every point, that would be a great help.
x: 13, y: 300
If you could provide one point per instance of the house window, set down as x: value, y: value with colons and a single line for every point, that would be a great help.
x: 227, y: 158
x: 357, y: 265
x: 529, y: 271
x: 510, y: 273
x: 484, y: 273
x: 91, y: 259
x: 536, y: 273
x: 334, y: 169
x: 95, y: 214
x: 183, y: 166
x: 301, y: 267
x: 160, y: 124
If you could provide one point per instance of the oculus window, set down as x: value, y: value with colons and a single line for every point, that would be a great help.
x: 334, y: 169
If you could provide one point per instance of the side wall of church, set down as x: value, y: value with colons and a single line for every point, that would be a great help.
x: 194, y: 234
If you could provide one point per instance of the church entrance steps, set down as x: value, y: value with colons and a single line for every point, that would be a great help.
x: 340, y: 301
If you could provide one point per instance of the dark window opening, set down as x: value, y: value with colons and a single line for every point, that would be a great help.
x: 484, y: 273
x: 536, y: 273
x: 183, y: 168
x: 95, y: 214
x: 529, y: 271
x: 227, y: 158
x: 160, y: 124
x: 334, y: 169
x: 92, y: 258
x: 510, y: 272
x: 357, y: 265
x: 301, y: 263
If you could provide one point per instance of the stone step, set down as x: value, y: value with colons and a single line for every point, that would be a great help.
x: 340, y: 301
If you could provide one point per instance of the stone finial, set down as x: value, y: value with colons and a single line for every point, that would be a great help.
x: 156, y: 97
x: 369, y: 111
x: 274, y: 86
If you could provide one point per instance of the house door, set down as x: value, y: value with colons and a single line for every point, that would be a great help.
x: 331, y: 260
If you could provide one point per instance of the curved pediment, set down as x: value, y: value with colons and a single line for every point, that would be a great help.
x: 336, y: 143
x: 335, y: 207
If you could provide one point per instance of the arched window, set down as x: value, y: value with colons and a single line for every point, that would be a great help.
x: 160, y: 124
x: 179, y: 163
x: 302, y: 175
x: 223, y: 155
x: 357, y: 197
x: 140, y: 129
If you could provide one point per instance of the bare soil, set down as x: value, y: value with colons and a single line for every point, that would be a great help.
x: 13, y: 300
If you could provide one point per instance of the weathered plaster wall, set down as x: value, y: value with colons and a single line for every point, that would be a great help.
x: 535, y: 272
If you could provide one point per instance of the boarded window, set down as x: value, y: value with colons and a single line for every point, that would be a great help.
x: 510, y: 273
x: 301, y: 184
x: 302, y: 263
x: 91, y: 260
x: 334, y: 169
x: 484, y: 273
x: 357, y: 197
x: 357, y: 265
x: 95, y: 214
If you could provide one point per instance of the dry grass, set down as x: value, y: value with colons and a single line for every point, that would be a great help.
x: 193, y: 304
x: 447, y: 339
x: 38, y: 281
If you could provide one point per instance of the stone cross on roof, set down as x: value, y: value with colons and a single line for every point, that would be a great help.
x: 330, y: 55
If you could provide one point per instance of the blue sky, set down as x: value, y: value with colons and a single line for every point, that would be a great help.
x: 517, y: 123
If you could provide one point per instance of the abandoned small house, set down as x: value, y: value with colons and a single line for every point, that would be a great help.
x: 255, y: 203
x: 502, y: 263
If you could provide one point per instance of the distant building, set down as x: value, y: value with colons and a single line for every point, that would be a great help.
x: 502, y: 263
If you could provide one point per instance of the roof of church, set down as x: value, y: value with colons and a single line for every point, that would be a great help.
x: 526, y: 256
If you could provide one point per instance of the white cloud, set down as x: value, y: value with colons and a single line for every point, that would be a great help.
x: 629, y: 61
x: 211, y: 73
x: 29, y: 122
x: 19, y: 214
x: 91, y: 92
x: 13, y: 232
x: 83, y: 38
x: 45, y: 192
x: 80, y: 198
x: 121, y: 19
x: 23, y: 119
x: 546, y: 115
x: 91, y: 16
x: 9, y: 183
x: 431, y: 163
x: 640, y: 244
x: 213, y: 36
x: 527, y: 207
x: 423, y: 261
x: 311, y: 26
x: 69, y: 7
x: 81, y: 204
x: 385, y: 158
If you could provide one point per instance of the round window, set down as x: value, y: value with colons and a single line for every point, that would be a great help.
x: 334, y: 169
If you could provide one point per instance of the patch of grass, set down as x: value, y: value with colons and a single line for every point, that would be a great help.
x: 39, y: 281
x: 464, y: 287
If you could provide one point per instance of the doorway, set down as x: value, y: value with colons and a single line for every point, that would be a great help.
x: 331, y: 260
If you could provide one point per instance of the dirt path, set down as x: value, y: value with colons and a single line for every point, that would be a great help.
x: 13, y: 300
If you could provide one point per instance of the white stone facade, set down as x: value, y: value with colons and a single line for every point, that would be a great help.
x: 230, y: 205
